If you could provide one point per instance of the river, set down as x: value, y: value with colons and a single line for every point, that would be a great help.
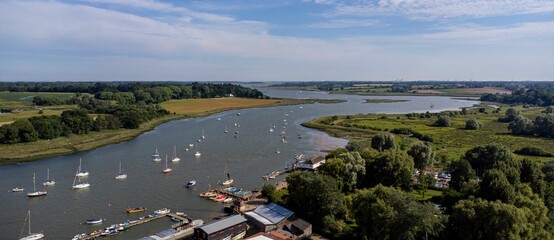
x: 248, y: 157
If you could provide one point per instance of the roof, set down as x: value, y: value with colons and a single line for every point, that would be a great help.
x: 270, y: 214
x: 301, y: 224
x: 166, y: 232
x: 223, y: 224
x: 317, y: 159
x: 268, y: 236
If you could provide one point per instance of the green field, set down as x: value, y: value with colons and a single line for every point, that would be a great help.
x: 20, y: 105
x: 449, y: 143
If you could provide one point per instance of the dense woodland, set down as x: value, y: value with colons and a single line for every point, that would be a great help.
x: 532, y: 96
x: 365, y: 194
x: 105, y: 106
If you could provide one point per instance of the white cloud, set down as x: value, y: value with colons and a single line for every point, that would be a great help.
x: 345, y: 23
x: 127, y: 46
x: 439, y: 9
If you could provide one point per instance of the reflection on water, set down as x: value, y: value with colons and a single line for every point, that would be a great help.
x: 248, y: 156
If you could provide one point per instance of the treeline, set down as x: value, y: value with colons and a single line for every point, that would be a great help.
x: 366, y: 194
x: 77, y: 121
x: 542, y: 125
x: 131, y: 93
x: 534, y: 96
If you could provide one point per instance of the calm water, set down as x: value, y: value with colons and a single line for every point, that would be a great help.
x: 248, y: 157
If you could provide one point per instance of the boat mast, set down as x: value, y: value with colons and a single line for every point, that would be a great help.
x: 34, y: 186
x: 120, y: 167
x: 29, y: 222
x: 48, y: 174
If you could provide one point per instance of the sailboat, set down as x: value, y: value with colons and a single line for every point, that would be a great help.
x: 31, y: 236
x: 166, y: 169
x: 226, y: 131
x: 35, y: 193
x: 48, y: 182
x: 229, y: 179
x: 79, y: 185
x: 203, y: 137
x: 277, y: 151
x: 175, y: 158
x: 81, y: 173
x: 156, y: 156
x: 120, y: 175
x: 270, y: 128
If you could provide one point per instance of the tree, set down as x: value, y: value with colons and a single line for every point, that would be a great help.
x: 267, y: 191
x: 314, y: 196
x: 495, y: 186
x: 77, y: 121
x: 423, y: 155
x: 544, y: 125
x: 461, y: 173
x: 482, y: 219
x: 549, y: 109
x: 335, y: 168
x: 387, y: 213
x: 531, y: 173
x: 521, y: 126
x: 390, y: 168
x: 548, y: 170
x: 510, y: 115
x: 473, y: 124
x: 443, y: 121
x: 488, y: 156
x: 383, y: 141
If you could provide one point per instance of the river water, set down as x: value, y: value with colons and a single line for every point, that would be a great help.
x: 248, y: 157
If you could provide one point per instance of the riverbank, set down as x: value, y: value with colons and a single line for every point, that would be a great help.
x: 449, y: 142
x: 23, y: 152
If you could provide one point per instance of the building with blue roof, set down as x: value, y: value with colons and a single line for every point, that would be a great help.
x: 268, y: 217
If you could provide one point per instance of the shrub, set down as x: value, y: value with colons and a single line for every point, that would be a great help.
x: 443, y: 121
x: 533, y: 151
x: 473, y: 124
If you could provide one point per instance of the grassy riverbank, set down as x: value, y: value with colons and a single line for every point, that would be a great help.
x: 13, y: 153
x: 449, y: 142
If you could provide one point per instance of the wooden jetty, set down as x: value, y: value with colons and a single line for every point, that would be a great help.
x: 244, y: 196
x: 275, y: 174
x: 142, y: 220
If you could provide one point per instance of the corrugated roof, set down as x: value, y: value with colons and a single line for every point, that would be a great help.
x: 273, y: 213
x: 166, y: 232
x: 300, y: 223
x: 258, y: 217
x: 222, y: 224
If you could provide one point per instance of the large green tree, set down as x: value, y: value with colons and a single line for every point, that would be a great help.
x: 387, y: 213
x: 383, y: 141
x: 313, y: 196
x: 390, y: 168
x: 489, y: 156
x: 423, y: 155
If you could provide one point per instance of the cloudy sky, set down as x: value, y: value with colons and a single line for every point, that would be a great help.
x: 263, y: 40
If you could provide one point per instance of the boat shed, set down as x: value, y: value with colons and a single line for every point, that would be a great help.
x: 268, y: 217
x: 233, y: 227
x: 311, y: 164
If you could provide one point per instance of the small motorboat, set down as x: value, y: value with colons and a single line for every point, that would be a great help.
x: 190, y: 184
x: 94, y: 220
x: 162, y: 211
x: 18, y: 189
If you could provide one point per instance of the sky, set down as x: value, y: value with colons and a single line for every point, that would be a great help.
x: 280, y: 40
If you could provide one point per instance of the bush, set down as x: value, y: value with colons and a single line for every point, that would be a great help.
x: 443, y: 121
x: 473, y: 124
x: 533, y: 151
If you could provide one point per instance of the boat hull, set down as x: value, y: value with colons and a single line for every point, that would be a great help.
x: 33, y: 236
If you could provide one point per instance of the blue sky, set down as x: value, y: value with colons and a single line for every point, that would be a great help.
x: 308, y: 40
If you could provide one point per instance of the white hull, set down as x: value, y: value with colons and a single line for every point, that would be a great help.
x: 81, y: 186
x: 36, y: 194
x: 81, y: 174
x: 49, y: 183
x: 158, y: 159
x: 176, y: 159
x: 121, y: 176
x: 162, y: 211
x: 198, y: 154
x: 18, y: 189
x: 33, y: 236
x: 227, y: 182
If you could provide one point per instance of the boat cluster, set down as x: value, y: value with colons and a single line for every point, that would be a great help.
x: 223, y: 195
x: 272, y: 175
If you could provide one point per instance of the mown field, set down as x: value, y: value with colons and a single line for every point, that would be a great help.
x: 448, y: 142
x: 20, y: 104
x: 197, y: 106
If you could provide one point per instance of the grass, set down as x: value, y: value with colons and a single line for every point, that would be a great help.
x: 193, y: 107
x: 385, y: 91
x: 449, y: 143
x: 13, y: 153
x: 430, y: 193
x: 27, y: 112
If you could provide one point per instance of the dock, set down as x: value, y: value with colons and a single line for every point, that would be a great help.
x: 119, y: 227
x: 275, y: 174
x: 240, y: 195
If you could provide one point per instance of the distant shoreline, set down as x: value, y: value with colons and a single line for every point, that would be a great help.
x: 33, y: 151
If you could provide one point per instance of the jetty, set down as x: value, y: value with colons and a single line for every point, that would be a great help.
x: 116, y: 228
x: 277, y: 173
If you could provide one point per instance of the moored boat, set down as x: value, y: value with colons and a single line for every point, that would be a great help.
x: 94, y: 220
x: 35, y: 193
x: 80, y: 172
x: 162, y: 211
x: 136, y: 210
x: 48, y: 182
x: 17, y: 189
x: 31, y: 236
x: 190, y: 184
x: 166, y: 169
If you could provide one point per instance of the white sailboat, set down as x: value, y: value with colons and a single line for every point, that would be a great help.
x: 156, y: 156
x: 166, y: 169
x: 203, y: 137
x: 31, y: 236
x: 120, y: 175
x: 48, y: 182
x: 226, y: 131
x: 270, y: 128
x: 175, y: 158
x: 229, y: 179
x: 277, y: 151
x: 77, y: 184
x: 35, y: 193
x: 81, y: 173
